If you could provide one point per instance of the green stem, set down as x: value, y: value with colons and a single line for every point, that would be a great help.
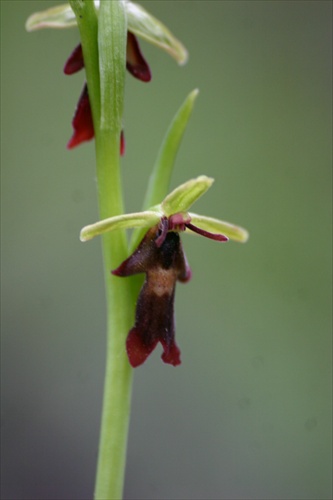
x: 118, y: 375
x: 104, y: 49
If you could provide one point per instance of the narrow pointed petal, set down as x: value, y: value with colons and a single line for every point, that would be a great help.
x: 82, y: 122
x: 127, y: 221
x: 75, y: 61
x: 135, y: 62
x: 183, y: 197
x: 60, y: 16
x: 233, y: 232
x: 207, y: 234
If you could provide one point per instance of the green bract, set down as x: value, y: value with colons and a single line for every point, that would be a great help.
x: 140, y: 23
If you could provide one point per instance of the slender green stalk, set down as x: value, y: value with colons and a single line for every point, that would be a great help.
x: 118, y: 376
x: 104, y: 49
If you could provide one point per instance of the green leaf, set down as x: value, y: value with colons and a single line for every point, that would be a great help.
x: 183, y: 197
x: 60, y: 16
x: 159, y: 181
x: 140, y: 219
x: 212, y: 225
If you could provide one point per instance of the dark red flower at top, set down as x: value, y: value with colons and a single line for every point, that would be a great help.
x: 164, y: 264
x: 82, y: 121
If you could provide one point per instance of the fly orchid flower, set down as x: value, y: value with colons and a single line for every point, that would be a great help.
x: 140, y: 23
x: 160, y: 256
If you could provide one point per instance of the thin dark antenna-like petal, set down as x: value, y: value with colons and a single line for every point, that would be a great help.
x: 207, y: 234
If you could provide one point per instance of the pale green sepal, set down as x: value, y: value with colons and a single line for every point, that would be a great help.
x: 159, y: 181
x: 141, y: 219
x: 235, y: 233
x: 140, y: 22
x: 143, y: 24
x: 61, y: 16
x: 183, y: 197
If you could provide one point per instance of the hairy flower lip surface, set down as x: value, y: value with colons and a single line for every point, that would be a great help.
x: 163, y: 265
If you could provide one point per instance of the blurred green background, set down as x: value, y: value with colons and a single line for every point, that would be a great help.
x: 248, y: 413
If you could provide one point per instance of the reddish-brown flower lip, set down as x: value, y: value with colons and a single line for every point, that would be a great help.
x: 163, y: 265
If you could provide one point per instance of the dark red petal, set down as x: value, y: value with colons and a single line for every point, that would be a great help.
x: 143, y: 258
x: 122, y: 143
x: 75, y: 61
x: 135, y: 62
x: 137, y: 349
x: 207, y: 234
x: 82, y: 122
x: 171, y: 354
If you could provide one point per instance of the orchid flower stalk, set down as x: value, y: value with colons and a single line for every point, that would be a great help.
x: 136, y: 319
